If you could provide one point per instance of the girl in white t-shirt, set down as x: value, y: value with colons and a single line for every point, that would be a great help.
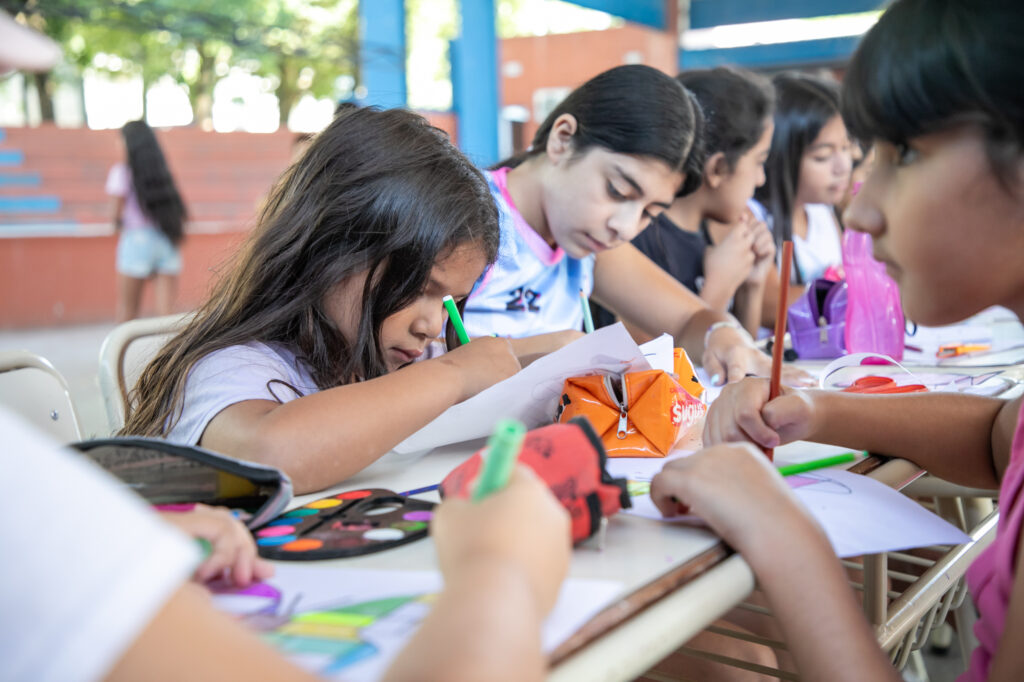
x: 304, y: 357
x: 808, y: 171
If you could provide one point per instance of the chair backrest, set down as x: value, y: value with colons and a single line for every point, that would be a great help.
x: 125, y: 353
x: 31, y: 387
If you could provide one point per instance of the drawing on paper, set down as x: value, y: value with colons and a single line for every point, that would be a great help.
x: 330, y: 641
x: 818, y: 483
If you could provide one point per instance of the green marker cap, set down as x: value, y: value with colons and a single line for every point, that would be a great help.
x: 502, y: 452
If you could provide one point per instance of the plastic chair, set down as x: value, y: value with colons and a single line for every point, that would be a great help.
x: 125, y: 352
x: 31, y: 387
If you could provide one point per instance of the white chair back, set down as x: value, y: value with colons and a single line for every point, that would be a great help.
x: 125, y: 353
x: 31, y: 387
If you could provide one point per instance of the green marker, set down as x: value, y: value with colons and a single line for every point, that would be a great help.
x: 205, y: 548
x: 791, y: 469
x: 588, y: 321
x: 502, y: 452
x: 453, y: 315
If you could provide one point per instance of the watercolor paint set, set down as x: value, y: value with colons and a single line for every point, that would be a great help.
x: 351, y: 523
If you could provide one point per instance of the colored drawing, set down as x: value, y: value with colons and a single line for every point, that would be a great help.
x: 818, y: 483
x: 349, y: 624
x: 331, y: 641
x: 360, y: 636
x: 638, y: 488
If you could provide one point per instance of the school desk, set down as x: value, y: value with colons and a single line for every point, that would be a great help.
x: 676, y: 579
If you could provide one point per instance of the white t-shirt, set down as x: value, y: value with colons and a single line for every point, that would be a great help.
x: 254, y: 371
x: 86, y: 564
x: 821, y: 248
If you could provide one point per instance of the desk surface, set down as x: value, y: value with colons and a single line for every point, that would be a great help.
x: 676, y: 579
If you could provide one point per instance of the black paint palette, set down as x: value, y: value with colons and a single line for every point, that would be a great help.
x: 351, y: 523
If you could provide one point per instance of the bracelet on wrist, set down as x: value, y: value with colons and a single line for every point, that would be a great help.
x: 727, y: 323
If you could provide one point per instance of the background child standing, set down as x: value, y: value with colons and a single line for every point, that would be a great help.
x: 149, y: 215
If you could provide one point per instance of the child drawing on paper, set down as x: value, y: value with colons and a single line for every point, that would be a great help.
x: 321, y: 333
x: 934, y: 85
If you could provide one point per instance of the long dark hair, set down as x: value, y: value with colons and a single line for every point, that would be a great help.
x: 928, y: 65
x: 152, y: 181
x: 803, y: 105
x: 737, y: 105
x: 377, y: 192
x: 632, y: 109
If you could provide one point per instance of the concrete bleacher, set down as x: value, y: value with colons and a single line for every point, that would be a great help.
x: 57, y: 243
x: 56, y: 176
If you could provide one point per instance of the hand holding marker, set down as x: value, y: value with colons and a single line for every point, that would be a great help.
x: 453, y: 315
x: 502, y: 452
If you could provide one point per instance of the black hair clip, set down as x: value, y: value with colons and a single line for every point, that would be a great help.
x: 788, y: 354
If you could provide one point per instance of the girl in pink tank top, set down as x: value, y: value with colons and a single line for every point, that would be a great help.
x: 935, y: 84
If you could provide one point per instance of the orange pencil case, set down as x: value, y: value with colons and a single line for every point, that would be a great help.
x: 636, y: 414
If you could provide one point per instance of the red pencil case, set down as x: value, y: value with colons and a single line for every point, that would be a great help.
x: 571, y: 460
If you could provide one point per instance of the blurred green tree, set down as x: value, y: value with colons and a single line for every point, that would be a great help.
x: 303, y: 45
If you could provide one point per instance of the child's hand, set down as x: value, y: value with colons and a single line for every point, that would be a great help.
x: 728, y: 263
x: 729, y: 356
x: 522, y: 525
x: 736, y: 490
x: 742, y: 413
x: 233, y: 548
x: 763, y: 245
x: 482, y: 363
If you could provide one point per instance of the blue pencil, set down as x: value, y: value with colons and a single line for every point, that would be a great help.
x: 417, y: 491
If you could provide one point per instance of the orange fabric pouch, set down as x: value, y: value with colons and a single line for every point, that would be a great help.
x: 636, y: 414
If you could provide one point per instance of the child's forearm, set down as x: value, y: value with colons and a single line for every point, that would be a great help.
x: 691, y: 336
x: 822, y: 623
x: 747, y: 306
x: 717, y: 292
x: 324, y: 438
x: 484, y: 626
x: 954, y: 436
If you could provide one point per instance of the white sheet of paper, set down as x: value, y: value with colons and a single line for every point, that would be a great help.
x: 659, y: 353
x: 360, y: 643
x: 531, y: 395
x: 863, y: 516
x: 859, y: 514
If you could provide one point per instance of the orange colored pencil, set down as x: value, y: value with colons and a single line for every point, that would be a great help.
x: 780, y: 327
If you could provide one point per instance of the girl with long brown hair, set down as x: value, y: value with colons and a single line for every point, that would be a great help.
x: 311, y: 353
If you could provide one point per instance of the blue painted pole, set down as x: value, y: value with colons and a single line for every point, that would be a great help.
x: 382, y: 52
x: 475, y: 86
x: 647, y: 12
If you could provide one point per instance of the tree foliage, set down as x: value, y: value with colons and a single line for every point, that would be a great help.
x: 304, y: 46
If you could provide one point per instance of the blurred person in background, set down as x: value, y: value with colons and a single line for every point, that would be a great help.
x: 150, y: 217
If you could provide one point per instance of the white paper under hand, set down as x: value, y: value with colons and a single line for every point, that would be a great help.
x: 531, y: 395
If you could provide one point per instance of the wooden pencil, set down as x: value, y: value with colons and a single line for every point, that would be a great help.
x: 780, y: 327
